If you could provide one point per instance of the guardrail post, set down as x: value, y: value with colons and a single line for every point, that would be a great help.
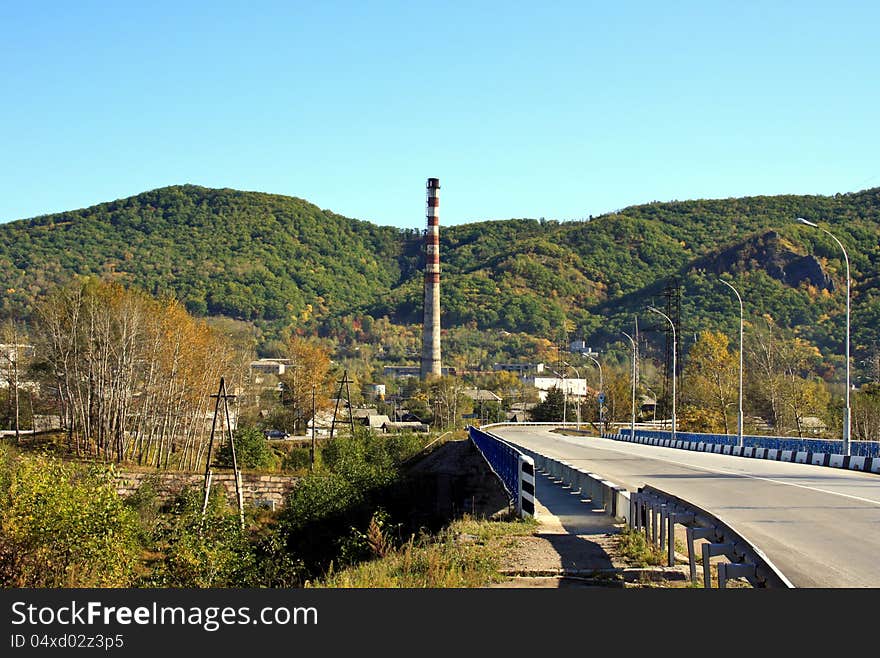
x: 596, y: 489
x: 583, y: 484
x: 662, y: 516
x: 637, y: 512
x: 675, y: 517
x: 655, y: 513
x: 709, y: 551
x: 729, y: 570
x: 692, y: 535
x: 633, y: 506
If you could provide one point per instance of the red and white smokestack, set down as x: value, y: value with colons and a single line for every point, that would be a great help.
x: 431, y: 326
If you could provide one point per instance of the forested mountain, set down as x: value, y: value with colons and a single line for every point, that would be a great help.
x: 247, y: 255
x: 285, y: 264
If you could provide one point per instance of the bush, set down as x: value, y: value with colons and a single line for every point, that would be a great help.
x: 202, y: 552
x: 252, y: 450
x: 64, y: 525
x: 147, y: 505
x: 363, y: 459
x: 296, y: 459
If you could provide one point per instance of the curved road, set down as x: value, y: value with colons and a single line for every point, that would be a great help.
x: 820, y: 526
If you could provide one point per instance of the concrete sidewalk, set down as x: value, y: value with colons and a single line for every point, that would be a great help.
x: 561, y: 510
x: 574, y: 547
x: 574, y: 537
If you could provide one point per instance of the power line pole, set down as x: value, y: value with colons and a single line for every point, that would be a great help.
x: 223, y: 395
x: 345, y: 381
x: 314, y: 420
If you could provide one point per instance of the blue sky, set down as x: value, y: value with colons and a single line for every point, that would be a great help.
x: 522, y: 109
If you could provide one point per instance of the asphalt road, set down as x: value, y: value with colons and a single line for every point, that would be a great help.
x: 819, y: 526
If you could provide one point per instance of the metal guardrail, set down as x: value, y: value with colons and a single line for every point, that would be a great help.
x: 656, y: 513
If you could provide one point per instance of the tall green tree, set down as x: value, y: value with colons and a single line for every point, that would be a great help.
x: 552, y: 408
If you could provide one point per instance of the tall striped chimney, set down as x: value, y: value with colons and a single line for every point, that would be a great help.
x: 431, y: 325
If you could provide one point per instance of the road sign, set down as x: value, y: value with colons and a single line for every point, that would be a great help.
x: 601, y: 398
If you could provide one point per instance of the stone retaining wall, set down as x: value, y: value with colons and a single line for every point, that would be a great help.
x: 260, y: 490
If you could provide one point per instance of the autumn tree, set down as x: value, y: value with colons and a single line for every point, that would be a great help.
x: 15, y: 357
x: 803, y: 397
x: 710, y: 376
x: 307, y: 375
x: 134, y: 374
x: 617, y: 383
x: 781, y: 379
x: 447, y: 399
x: 801, y: 392
x: 762, y: 363
x: 866, y: 413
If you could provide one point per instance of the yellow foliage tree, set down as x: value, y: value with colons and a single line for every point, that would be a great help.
x: 710, y: 378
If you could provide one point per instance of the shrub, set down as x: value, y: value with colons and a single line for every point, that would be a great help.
x: 196, y: 551
x: 252, y: 450
x: 296, y: 459
x: 64, y: 525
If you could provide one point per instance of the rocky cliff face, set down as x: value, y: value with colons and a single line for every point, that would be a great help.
x: 771, y: 253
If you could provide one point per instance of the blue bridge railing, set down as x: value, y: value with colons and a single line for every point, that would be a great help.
x: 857, y: 448
x: 502, y: 457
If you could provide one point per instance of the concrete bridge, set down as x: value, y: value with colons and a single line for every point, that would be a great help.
x: 805, y: 524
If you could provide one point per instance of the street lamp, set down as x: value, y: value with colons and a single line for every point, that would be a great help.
x: 674, y: 350
x: 578, y: 397
x: 846, y: 413
x: 632, y: 424
x: 739, y: 421
x: 601, y: 389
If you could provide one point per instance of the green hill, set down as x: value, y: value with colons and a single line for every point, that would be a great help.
x: 247, y: 255
x: 283, y: 263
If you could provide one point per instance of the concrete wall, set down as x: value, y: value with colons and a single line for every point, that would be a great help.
x: 263, y: 490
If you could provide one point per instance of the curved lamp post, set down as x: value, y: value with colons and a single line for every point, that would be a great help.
x: 674, y: 350
x: 739, y: 418
x: 846, y: 412
x: 632, y: 422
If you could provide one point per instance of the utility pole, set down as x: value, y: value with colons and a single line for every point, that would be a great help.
x: 235, y: 470
x: 345, y: 381
x: 314, y: 419
x: 223, y: 395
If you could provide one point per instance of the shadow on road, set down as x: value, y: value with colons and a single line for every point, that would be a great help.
x: 573, y: 526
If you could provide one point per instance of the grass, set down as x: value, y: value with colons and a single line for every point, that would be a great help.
x: 466, y: 553
x: 636, y: 550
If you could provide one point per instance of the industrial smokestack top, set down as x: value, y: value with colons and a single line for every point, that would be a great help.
x: 433, y: 183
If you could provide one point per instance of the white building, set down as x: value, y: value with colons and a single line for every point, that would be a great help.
x: 573, y: 386
x: 581, y: 347
x: 270, y: 366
